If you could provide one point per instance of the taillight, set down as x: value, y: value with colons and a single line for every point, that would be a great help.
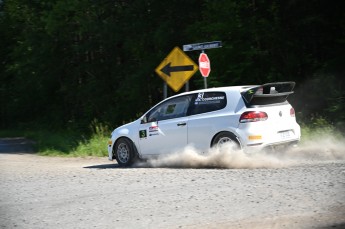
x: 292, y: 112
x: 253, y: 116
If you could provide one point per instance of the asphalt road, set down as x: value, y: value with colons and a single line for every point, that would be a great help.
x: 53, y: 192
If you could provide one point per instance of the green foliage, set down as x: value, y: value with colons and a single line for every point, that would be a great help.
x: 319, y: 128
x: 66, y: 142
x: 47, y: 142
x: 65, y: 63
x: 96, y: 146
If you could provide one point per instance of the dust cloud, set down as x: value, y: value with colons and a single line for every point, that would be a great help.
x: 310, y: 151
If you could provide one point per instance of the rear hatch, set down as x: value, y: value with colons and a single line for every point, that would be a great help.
x: 280, y: 124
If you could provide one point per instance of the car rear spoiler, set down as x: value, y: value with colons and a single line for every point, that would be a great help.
x: 268, y: 93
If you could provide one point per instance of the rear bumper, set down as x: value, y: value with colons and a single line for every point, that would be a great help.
x: 269, y: 147
x: 259, y: 137
x: 282, y: 145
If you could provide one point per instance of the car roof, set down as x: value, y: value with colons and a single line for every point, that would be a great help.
x: 228, y: 88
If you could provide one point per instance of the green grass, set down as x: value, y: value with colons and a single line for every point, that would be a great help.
x: 96, y: 146
x: 319, y: 128
x: 78, y: 144
x: 66, y: 143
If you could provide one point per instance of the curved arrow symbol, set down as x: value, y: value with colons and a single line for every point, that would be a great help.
x: 167, y: 69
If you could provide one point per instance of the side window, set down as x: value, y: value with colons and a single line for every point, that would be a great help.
x: 207, y: 101
x: 173, y: 108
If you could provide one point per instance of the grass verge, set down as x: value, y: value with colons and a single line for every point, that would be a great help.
x: 66, y: 143
x: 319, y: 128
x: 74, y: 144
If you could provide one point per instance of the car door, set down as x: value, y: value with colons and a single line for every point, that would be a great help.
x: 205, y: 120
x: 164, y: 129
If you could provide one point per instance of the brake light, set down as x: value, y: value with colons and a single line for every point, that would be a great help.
x: 253, y: 116
x: 292, y: 112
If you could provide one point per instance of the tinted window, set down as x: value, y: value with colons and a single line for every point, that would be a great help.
x: 173, y: 108
x: 207, y: 101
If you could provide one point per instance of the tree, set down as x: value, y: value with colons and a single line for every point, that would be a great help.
x: 70, y: 62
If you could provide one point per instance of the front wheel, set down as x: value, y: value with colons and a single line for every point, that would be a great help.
x: 125, y: 154
x: 226, y: 138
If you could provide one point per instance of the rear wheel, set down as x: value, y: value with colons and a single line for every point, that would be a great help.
x: 226, y: 138
x: 124, y: 151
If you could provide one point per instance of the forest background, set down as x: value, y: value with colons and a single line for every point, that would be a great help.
x: 87, y: 66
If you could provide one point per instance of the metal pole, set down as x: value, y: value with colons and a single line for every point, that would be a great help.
x: 186, y: 86
x: 165, y: 90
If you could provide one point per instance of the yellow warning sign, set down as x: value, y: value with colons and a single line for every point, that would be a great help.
x: 176, y: 69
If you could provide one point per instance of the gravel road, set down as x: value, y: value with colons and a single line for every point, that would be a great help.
x: 55, y: 192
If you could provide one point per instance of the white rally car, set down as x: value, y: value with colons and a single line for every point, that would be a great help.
x: 252, y: 117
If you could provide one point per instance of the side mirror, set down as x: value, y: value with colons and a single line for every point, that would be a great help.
x: 143, y: 120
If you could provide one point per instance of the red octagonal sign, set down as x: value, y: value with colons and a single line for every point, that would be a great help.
x: 204, y: 65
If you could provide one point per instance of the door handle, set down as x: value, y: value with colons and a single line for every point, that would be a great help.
x: 181, y: 124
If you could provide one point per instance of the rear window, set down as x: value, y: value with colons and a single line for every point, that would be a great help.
x: 204, y: 102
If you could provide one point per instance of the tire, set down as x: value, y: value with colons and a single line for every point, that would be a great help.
x: 124, y: 152
x: 226, y: 137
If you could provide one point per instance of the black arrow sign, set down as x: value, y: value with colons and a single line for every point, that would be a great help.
x: 167, y: 69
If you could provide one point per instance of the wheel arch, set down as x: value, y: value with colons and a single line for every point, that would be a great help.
x: 226, y: 132
x: 124, y: 137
